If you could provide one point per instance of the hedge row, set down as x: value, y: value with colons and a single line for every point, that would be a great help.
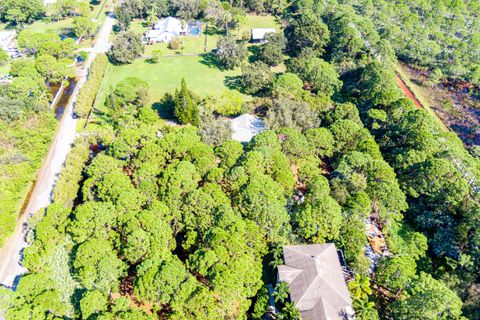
x: 89, y: 91
x: 68, y: 182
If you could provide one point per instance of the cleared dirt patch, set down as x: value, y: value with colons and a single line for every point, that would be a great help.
x: 456, y: 105
x: 408, y: 92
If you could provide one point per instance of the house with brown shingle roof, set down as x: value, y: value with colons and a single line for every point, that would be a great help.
x: 316, y: 281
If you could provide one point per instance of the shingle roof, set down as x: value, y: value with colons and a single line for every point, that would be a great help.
x: 317, y: 286
x: 169, y: 24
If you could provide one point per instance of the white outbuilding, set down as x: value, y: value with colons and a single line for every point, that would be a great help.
x: 7, y: 38
x: 245, y: 127
x: 258, y: 34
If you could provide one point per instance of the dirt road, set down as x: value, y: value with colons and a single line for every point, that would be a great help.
x: 408, y: 93
x: 10, y: 253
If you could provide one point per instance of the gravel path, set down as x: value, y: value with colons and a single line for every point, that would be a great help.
x: 11, y: 252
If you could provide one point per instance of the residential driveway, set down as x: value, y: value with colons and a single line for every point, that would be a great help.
x: 10, y: 253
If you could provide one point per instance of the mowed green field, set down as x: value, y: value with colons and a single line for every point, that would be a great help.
x: 166, y: 76
x: 201, y: 77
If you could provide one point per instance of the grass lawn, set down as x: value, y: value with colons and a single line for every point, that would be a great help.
x: 44, y: 25
x: 201, y: 77
x: 166, y: 76
x: 4, y: 69
x: 191, y: 45
x: 254, y: 21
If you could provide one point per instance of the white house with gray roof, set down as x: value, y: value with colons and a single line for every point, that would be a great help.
x: 165, y: 30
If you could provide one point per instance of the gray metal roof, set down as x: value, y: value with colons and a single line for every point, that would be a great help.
x: 170, y: 24
x: 259, y: 33
x: 245, y: 127
x: 317, y: 286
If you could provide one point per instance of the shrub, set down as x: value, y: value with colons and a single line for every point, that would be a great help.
x: 156, y: 56
x: 3, y: 57
x: 87, y: 95
x: 230, y: 103
x: 68, y: 183
x: 174, y: 44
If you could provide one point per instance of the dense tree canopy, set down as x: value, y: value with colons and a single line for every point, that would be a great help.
x: 127, y: 47
x: 178, y: 221
x: 19, y: 12
x: 229, y: 52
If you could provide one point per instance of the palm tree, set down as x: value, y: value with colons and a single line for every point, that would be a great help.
x: 289, y: 312
x: 360, y: 287
x: 281, y: 293
x: 277, y: 259
x: 365, y: 309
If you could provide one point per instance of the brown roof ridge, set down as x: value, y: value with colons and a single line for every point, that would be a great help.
x: 296, y: 247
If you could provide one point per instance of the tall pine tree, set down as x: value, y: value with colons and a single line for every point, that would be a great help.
x: 186, y: 109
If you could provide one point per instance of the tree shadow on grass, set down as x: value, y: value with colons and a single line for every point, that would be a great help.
x: 165, y: 108
x: 254, y: 50
x: 151, y: 60
x: 213, y: 31
x: 210, y: 61
x: 417, y: 82
x: 234, y: 83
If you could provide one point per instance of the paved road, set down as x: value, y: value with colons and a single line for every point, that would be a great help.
x: 10, y: 253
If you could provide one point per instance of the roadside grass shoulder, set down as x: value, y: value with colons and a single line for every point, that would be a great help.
x: 423, y: 94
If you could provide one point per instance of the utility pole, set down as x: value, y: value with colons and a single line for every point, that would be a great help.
x: 206, y: 38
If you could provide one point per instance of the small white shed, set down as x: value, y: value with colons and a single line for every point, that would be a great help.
x: 258, y: 34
